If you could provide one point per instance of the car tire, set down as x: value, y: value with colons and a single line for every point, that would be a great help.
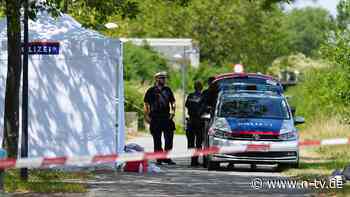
x: 282, y: 167
x: 212, y: 165
x: 205, y: 161
x: 295, y: 165
x: 285, y: 166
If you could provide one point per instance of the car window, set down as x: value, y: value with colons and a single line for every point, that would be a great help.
x: 253, y: 107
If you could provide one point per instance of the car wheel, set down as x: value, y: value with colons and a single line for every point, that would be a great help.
x: 295, y: 165
x: 282, y: 167
x: 285, y: 166
x: 205, y: 162
x: 212, y: 165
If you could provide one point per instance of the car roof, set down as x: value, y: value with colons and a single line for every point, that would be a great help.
x: 238, y: 75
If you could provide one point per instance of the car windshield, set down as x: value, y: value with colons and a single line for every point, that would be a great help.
x: 253, y: 107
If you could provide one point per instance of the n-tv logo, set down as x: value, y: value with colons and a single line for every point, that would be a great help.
x: 42, y: 48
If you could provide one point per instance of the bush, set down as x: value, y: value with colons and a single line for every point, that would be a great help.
x: 134, y: 101
x: 322, y: 92
x: 141, y: 63
x: 295, y: 62
x: 203, y: 73
x: 326, y: 91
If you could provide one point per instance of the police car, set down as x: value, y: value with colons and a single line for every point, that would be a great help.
x: 237, y: 80
x: 257, y: 118
x: 271, y: 133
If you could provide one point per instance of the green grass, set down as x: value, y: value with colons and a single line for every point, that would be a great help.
x: 325, y: 159
x: 345, y: 191
x: 319, y: 163
x: 45, y: 181
x: 2, y: 12
x: 180, y: 130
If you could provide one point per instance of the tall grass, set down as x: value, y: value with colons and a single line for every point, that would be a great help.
x: 322, y: 92
x: 325, y: 127
x: 322, y: 99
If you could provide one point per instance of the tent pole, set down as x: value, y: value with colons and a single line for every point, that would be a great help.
x: 120, y: 93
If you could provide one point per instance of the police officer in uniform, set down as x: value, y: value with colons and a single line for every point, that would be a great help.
x: 195, y: 123
x: 207, y: 100
x: 159, y: 108
x: 206, y: 107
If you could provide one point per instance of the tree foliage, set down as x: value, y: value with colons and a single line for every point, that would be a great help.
x: 307, y: 29
x: 231, y: 31
x: 227, y: 31
x: 2, y: 8
x: 343, y: 17
x: 327, y: 87
x: 95, y: 13
x: 141, y: 63
x: 337, y: 51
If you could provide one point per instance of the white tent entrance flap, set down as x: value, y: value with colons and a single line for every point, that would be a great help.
x: 72, y: 94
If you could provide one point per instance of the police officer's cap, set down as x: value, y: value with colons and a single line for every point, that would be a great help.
x: 161, y: 74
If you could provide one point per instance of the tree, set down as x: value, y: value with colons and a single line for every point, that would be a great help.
x: 227, y: 31
x: 11, y: 116
x: 343, y: 17
x: 95, y: 13
x: 307, y: 29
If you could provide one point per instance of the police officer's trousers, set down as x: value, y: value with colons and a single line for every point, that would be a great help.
x: 157, y: 127
x: 194, y: 135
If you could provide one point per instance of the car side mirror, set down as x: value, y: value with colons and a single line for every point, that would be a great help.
x: 299, y: 120
x: 206, y: 116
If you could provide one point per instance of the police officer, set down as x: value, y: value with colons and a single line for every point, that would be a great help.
x: 207, y: 100
x: 195, y: 124
x: 206, y: 107
x: 159, y: 108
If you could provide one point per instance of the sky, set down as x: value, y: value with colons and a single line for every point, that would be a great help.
x: 330, y: 5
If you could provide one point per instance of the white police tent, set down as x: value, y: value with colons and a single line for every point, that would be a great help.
x: 76, y: 99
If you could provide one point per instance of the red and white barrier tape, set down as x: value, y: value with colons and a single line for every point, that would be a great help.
x: 125, y: 157
x: 102, y: 159
x: 335, y: 141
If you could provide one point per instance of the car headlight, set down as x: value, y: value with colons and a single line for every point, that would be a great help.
x: 292, y: 135
x: 288, y: 131
x: 219, y: 125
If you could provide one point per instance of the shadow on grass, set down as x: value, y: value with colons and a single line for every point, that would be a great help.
x: 328, y: 165
x: 304, y: 174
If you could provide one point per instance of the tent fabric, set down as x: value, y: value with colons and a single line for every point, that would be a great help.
x: 72, y: 95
